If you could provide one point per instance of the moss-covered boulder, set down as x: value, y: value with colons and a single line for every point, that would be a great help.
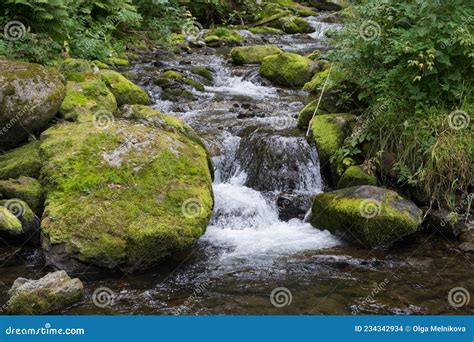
x: 52, y: 292
x: 329, y: 132
x: 25, y: 188
x: 134, y: 193
x: 9, y: 223
x: 329, y: 5
x: 125, y: 92
x: 177, y: 85
x: 356, y: 175
x: 292, y: 24
x: 223, y: 36
x: 288, y: 69
x: 367, y: 215
x: 116, y: 61
x: 253, y: 54
x: 265, y: 30
x: 85, y: 99
x: 22, y: 161
x: 29, y: 222
x: 30, y: 96
x: 75, y: 69
x: 204, y: 72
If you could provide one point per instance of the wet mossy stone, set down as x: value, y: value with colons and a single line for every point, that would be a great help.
x: 329, y: 132
x: 25, y: 188
x: 253, y: 54
x: 117, y: 61
x: 134, y: 194
x: 366, y: 215
x: 100, y: 65
x: 21, y: 161
x: 30, y: 223
x: 9, y: 223
x: 125, y: 92
x: 329, y: 5
x: 265, y: 30
x: 54, y: 291
x: 292, y: 24
x: 288, y: 69
x: 269, y: 18
x: 30, y: 96
x: 75, y: 69
x: 88, y: 98
x: 175, y: 95
x: 355, y: 175
x: 204, y: 72
x: 223, y: 36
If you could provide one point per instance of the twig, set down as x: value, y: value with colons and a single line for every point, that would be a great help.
x: 319, y: 101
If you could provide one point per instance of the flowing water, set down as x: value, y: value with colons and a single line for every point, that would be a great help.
x: 258, y: 241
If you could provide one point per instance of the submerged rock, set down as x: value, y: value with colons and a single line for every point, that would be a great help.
x: 355, y: 175
x: 134, y: 192
x: 22, y: 161
x: 288, y: 69
x: 253, y: 54
x: 30, y: 96
x: 367, y: 215
x: 54, y: 291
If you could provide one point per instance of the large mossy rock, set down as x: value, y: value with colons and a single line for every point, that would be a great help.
x: 54, y: 291
x: 22, y: 161
x: 288, y: 69
x: 30, y: 96
x: 329, y: 132
x: 25, y: 188
x: 87, y: 98
x: 76, y: 69
x: 292, y: 24
x: 355, y: 175
x: 134, y: 192
x: 367, y: 215
x: 253, y: 54
x: 125, y: 92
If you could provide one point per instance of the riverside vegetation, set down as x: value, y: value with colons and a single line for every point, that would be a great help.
x: 98, y: 178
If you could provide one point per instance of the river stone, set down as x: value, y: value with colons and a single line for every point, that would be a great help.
x: 54, y: 291
x: 292, y: 24
x: 30, y: 96
x: 445, y: 222
x: 125, y: 92
x: 9, y: 223
x: 355, y: 175
x: 288, y: 69
x: 135, y: 192
x: 21, y: 161
x: 29, y: 222
x: 25, y: 188
x: 366, y: 215
x: 293, y: 205
x: 253, y: 54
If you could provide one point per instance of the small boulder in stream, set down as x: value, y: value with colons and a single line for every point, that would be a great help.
x: 288, y: 69
x: 54, y: 291
x: 367, y: 215
x: 253, y: 54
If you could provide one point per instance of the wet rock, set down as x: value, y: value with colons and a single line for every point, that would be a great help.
x: 292, y: 24
x: 22, y: 161
x: 204, y: 72
x: 141, y: 192
x: 356, y: 175
x: 445, y: 222
x: 329, y: 5
x: 9, y: 223
x: 253, y: 54
x: 367, y: 215
x: 293, y: 205
x: 25, y: 188
x: 125, y: 92
x: 265, y: 30
x: 52, y: 292
x: 30, y: 96
x: 288, y: 69
x: 282, y: 162
x: 223, y: 36
x: 29, y: 222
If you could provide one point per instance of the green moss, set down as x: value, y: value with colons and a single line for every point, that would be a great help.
x: 223, y: 35
x: 75, y: 69
x: 118, y: 61
x: 22, y: 161
x: 84, y: 99
x: 265, y: 30
x: 291, y: 24
x: 125, y: 92
x: 342, y: 213
x: 296, y: 8
x: 100, y: 65
x: 356, y: 175
x: 329, y: 132
x: 268, y: 19
x: 195, y: 84
x: 288, y: 69
x: 120, y: 212
x: 172, y: 74
x: 204, y: 72
x: 253, y: 54
x: 316, y: 84
x: 176, y: 94
x: 9, y: 223
x: 305, y: 115
x: 25, y: 188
